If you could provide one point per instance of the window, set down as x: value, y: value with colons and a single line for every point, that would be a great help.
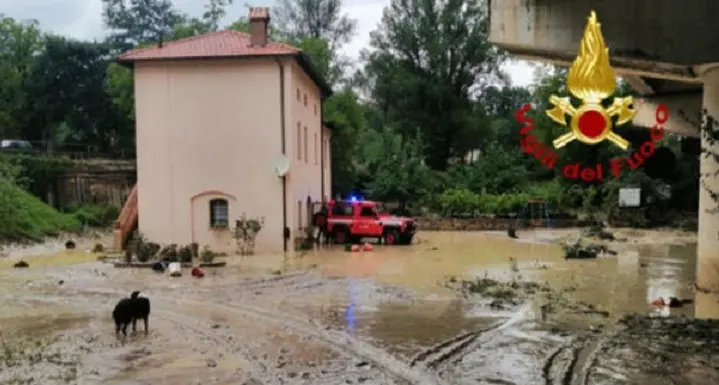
x: 299, y: 215
x: 368, y: 212
x: 316, y: 150
x: 342, y: 209
x: 327, y: 152
x: 306, y: 152
x: 299, y: 141
x: 299, y: 95
x: 305, y: 100
x: 219, y: 213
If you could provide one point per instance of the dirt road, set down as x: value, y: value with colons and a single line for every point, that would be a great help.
x: 376, y: 318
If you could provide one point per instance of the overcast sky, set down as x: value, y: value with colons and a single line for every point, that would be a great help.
x: 82, y: 19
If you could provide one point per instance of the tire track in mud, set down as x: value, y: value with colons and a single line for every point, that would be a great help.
x: 570, y: 364
x: 340, y: 342
x: 257, y: 370
x: 587, y: 358
x: 453, y: 349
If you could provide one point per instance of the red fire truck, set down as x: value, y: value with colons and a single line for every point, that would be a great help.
x: 348, y: 221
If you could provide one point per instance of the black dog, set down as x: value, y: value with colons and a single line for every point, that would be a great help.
x: 130, y: 310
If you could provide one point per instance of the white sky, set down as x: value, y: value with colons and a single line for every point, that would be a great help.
x: 369, y: 13
x: 82, y: 19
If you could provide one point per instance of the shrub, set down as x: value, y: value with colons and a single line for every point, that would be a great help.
x: 153, y: 248
x: 143, y: 252
x: 246, y: 232
x: 185, y: 254
x: 96, y: 215
x: 169, y: 253
x: 465, y: 203
x: 207, y: 254
x: 458, y: 202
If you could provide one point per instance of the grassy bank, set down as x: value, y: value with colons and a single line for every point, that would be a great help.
x: 27, y: 218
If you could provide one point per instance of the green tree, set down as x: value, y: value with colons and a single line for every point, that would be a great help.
x: 215, y: 11
x: 19, y: 43
x: 345, y: 113
x: 427, y: 58
x: 138, y: 21
x: 321, y: 57
x: 66, y: 86
x: 395, y: 166
x: 322, y: 19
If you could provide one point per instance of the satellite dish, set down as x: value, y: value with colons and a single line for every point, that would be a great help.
x: 281, y: 165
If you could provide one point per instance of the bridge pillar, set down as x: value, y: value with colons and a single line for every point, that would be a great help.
x: 708, y: 235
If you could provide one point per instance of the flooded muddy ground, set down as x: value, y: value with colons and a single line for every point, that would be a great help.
x: 455, y: 308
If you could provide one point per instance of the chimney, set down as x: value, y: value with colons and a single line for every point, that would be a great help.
x: 259, y: 22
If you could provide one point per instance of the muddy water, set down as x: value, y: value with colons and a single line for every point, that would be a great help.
x: 306, y: 318
x: 619, y: 285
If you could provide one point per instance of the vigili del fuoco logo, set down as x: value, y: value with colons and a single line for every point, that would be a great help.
x: 590, y: 79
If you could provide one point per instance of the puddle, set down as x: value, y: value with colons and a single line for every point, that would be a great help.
x: 54, y: 259
x: 619, y: 285
x: 393, y: 297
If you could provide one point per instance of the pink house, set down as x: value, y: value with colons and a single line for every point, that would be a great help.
x: 213, y: 113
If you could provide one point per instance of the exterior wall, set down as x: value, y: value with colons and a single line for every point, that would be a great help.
x: 305, y: 150
x: 707, y: 241
x: 205, y: 130
x: 328, y: 162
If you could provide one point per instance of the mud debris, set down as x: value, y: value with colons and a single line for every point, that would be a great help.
x: 21, y: 264
x: 578, y: 250
x: 500, y: 295
x: 317, y: 320
x: 653, y: 349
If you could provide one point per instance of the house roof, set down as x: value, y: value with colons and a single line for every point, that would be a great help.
x: 224, y: 44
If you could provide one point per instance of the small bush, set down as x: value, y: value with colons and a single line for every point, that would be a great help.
x: 169, y: 253
x: 185, y: 254
x: 207, y: 255
x: 465, y: 203
x: 143, y: 252
x: 153, y: 248
x: 96, y: 215
x: 246, y: 231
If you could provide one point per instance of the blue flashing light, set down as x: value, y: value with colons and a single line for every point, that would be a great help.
x: 353, y: 198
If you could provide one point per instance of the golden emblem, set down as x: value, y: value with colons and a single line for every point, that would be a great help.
x: 591, y: 79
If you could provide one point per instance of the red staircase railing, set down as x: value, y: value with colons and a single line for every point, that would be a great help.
x: 126, y: 222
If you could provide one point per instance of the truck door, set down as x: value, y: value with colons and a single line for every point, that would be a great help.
x: 368, y: 223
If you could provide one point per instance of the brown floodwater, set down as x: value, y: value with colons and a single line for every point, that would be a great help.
x: 622, y: 284
x: 392, y: 297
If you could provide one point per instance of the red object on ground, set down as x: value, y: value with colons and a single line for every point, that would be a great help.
x: 658, y: 302
x: 355, y: 248
x: 367, y: 247
x: 197, y: 272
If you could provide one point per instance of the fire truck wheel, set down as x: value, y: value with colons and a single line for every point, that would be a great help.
x: 391, y: 237
x: 341, y: 236
x: 407, y: 239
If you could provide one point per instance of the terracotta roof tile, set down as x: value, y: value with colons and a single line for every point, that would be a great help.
x: 218, y: 44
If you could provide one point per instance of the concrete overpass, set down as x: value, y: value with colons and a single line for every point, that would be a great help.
x: 667, y: 50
